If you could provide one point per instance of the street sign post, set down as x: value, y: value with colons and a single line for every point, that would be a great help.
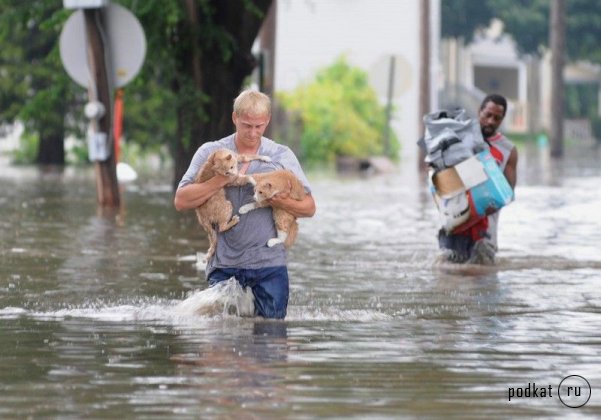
x: 102, y: 47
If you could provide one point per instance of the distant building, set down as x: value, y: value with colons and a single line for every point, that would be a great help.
x: 492, y: 64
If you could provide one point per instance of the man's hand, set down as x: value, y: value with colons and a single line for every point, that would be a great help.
x: 302, y: 208
x: 280, y: 198
x: 510, y: 171
x: 194, y: 195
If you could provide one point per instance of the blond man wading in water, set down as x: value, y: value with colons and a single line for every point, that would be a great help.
x: 241, y: 251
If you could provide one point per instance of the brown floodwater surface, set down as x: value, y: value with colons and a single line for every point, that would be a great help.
x: 376, y: 328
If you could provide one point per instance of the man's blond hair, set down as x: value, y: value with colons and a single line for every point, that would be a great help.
x: 252, y: 102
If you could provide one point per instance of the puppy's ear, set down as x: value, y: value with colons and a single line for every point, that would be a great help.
x: 229, y: 157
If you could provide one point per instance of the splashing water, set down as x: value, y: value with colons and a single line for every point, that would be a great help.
x: 226, y: 297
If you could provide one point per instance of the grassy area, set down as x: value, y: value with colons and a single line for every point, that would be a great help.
x: 540, y: 138
x: 523, y: 138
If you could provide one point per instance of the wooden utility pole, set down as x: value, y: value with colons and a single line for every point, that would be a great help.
x: 267, y: 36
x: 558, y: 46
x: 267, y: 40
x: 424, y: 71
x: 107, y: 186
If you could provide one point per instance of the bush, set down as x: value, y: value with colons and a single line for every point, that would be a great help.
x: 340, y: 116
x: 27, y: 151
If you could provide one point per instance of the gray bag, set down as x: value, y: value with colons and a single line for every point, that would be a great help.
x: 450, y: 138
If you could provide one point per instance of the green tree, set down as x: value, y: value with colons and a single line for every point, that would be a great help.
x: 528, y: 22
x: 583, y: 35
x: 462, y: 18
x: 198, y: 56
x: 340, y: 115
x: 33, y: 86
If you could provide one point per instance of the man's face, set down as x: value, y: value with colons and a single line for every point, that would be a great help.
x: 491, y: 117
x: 250, y: 128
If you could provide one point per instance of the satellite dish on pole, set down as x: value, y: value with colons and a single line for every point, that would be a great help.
x: 125, y: 40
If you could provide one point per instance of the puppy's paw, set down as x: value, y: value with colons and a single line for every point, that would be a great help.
x: 251, y: 181
x: 265, y: 159
x: 246, y: 208
x: 273, y: 242
x: 235, y: 218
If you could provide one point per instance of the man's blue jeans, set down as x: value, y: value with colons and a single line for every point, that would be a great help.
x: 269, y: 286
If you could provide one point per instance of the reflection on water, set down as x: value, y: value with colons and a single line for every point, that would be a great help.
x: 90, y: 305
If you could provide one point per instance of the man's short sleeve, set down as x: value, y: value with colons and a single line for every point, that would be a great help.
x: 288, y: 160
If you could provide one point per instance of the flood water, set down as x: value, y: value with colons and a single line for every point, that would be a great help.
x: 375, y: 327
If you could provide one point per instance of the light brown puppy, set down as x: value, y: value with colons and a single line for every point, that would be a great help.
x: 268, y: 185
x: 217, y: 210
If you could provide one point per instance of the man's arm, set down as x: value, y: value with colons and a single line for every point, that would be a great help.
x: 192, y: 196
x: 303, y: 208
x: 510, y: 171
